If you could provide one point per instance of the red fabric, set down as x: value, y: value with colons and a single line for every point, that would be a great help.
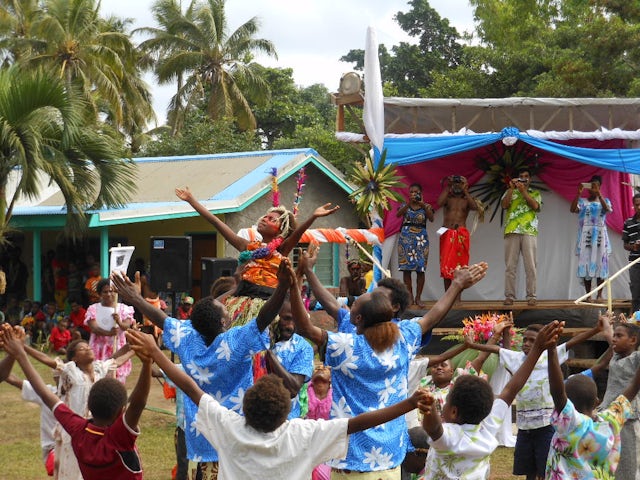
x: 454, y: 251
x: 101, y: 451
x: 260, y: 368
x: 77, y: 319
x: 560, y: 174
x: 59, y: 338
x: 50, y: 463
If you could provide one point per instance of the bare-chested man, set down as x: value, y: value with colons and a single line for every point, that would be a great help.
x: 454, y: 243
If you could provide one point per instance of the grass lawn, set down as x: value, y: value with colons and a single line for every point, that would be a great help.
x: 20, y: 442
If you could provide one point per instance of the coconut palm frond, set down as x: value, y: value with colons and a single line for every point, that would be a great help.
x: 501, y: 164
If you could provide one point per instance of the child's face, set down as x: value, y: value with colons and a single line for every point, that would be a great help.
x: 442, y: 373
x: 51, y: 309
x: 269, y: 224
x: 528, y: 339
x: 63, y: 324
x: 83, y: 354
x: 623, y: 343
x: 107, y: 295
x: 320, y: 386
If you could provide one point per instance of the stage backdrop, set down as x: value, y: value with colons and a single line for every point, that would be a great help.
x: 557, y: 262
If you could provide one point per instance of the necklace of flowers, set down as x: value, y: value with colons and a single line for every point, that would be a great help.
x: 260, y: 252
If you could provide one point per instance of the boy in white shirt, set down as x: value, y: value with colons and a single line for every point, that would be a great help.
x: 461, y: 446
x: 264, y: 444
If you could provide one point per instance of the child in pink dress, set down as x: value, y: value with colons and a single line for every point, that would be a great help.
x: 319, y: 391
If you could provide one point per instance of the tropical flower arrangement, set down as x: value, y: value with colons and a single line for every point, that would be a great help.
x: 501, y: 164
x: 480, y: 329
x: 376, y: 186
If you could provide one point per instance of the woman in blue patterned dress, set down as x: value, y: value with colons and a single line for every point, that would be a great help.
x: 413, y: 243
x: 593, y: 247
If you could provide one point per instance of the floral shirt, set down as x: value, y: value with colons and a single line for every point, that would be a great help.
x: 521, y: 218
x: 534, y: 404
x: 296, y: 356
x: 364, y: 380
x: 440, y: 393
x: 583, y: 447
x: 222, y: 369
x: 464, y: 451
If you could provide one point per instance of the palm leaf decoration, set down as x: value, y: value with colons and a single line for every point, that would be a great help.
x: 376, y: 186
x: 501, y: 163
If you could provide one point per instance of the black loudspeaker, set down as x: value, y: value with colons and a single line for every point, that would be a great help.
x: 214, y: 268
x: 170, y: 264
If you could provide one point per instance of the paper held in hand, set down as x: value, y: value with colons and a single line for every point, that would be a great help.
x: 120, y: 258
x: 104, y: 317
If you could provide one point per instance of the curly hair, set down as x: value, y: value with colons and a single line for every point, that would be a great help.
x: 399, y: 294
x: 473, y: 398
x: 286, y: 220
x: 582, y: 392
x: 206, y: 318
x: 266, y: 404
x: 101, y: 284
x: 106, y: 398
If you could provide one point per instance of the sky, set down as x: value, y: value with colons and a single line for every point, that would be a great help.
x: 310, y: 36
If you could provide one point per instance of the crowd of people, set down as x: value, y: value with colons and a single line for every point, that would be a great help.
x: 259, y: 382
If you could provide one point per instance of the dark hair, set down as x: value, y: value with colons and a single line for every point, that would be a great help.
x: 399, y: 293
x: 582, y: 392
x: 206, y: 318
x: 376, y: 309
x: 473, y: 398
x: 75, y: 299
x: 222, y: 285
x: 266, y: 404
x: 101, y: 284
x: 596, y: 178
x: 636, y: 196
x: 71, y: 348
x: 415, y: 185
x: 106, y: 398
x: 632, y: 330
x: 521, y: 170
x: 534, y: 327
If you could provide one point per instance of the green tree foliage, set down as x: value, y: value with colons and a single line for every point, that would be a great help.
x: 214, y: 64
x: 43, y: 133
x: 200, y: 135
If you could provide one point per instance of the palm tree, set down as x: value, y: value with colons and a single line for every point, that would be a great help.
x: 215, y: 66
x: 94, y: 55
x: 44, y: 132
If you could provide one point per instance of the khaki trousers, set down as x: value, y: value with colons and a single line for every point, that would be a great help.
x: 514, y: 245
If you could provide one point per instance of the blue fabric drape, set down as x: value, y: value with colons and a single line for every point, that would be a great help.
x: 406, y: 151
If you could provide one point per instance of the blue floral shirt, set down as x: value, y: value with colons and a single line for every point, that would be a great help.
x: 364, y: 380
x: 222, y: 369
x: 296, y: 356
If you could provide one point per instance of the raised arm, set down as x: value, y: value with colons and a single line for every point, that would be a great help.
x: 6, y: 365
x: 584, y: 336
x: 271, y: 307
x: 130, y: 293
x: 229, y: 235
x: 140, y: 393
x: 556, y: 380
x: 14, y: 346
x: 292, y: 240
x: 306, y: 261
x: 546, y: 337
x: 301, y: 317
x: 452, y: 352
x: 431, y: 421
x: 602, y: 363
x: 292, y: 381
x: 40, y: 356
x: 383, y: 415
x: 144, y: 345
x: 462, y: 278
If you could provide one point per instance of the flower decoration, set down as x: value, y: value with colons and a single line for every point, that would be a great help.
x: 275, y: 194
x: 501, y: 164
x: 300, y: 179
x: 376, y: 186
x: 480, y: 329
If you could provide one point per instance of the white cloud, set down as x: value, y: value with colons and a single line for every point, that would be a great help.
x: 310, y: 36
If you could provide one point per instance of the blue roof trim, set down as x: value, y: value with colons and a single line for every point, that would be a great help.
x: 224, y: 156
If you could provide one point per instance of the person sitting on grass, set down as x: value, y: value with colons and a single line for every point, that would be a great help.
x: 586, y: 443
x: 463, y: 439
x: 104, y: 444
x: 272, y: 446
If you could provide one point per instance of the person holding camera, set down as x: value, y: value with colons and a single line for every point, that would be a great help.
x: 455, y: 241
x: 413, y: 243
x: 593, y: 247
x: 521, y: 235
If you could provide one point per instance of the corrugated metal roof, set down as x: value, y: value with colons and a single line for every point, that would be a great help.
x: 222, y: 182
